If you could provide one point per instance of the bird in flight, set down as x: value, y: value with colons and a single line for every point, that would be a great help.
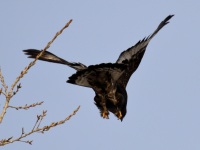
x: 108, y: 80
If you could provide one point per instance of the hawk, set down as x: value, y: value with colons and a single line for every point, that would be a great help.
x: 108, y: 80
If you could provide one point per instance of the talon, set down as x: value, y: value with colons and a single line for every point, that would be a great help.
x: 105, y: 114
x: 119, y: 115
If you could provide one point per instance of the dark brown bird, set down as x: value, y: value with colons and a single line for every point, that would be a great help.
x: 108, y: 80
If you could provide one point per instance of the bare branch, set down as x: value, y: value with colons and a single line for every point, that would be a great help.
x: 40, y: 130
x: 4, y: 108
x: 44, y: 113
x: 40, y: 54
x: 26, y: 106
x: 10, y: 94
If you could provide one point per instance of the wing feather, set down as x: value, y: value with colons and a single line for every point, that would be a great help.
x: 133, y: 55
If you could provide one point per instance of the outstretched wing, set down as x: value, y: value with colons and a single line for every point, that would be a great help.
x: 97, y: 74
x: 133, y: 56
x: 47, y: 56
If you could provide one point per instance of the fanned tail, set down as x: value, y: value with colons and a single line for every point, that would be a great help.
x: 47, y: 56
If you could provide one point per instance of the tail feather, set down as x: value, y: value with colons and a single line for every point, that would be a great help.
x: 47, y: 56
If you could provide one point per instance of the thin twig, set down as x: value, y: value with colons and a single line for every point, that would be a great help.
x: 22, y: 131
x: 18, y: 87
x: 44, y: 113
x: 29, y: 142
x: 26, y: 106
x: 38, y: 118
x: 1, y: 92
x: 43, y: 129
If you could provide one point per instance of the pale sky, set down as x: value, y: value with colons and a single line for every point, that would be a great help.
x: 163, y: 94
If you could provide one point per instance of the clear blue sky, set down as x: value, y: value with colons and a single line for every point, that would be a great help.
x: 163, y: 94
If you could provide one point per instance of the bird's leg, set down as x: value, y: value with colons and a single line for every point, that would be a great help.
x: 101, y: 100
x: 104, y: 111
x: 100, y: 97
x: 111, y: 91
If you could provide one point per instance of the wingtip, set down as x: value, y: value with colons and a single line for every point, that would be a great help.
x: 168, y: 18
